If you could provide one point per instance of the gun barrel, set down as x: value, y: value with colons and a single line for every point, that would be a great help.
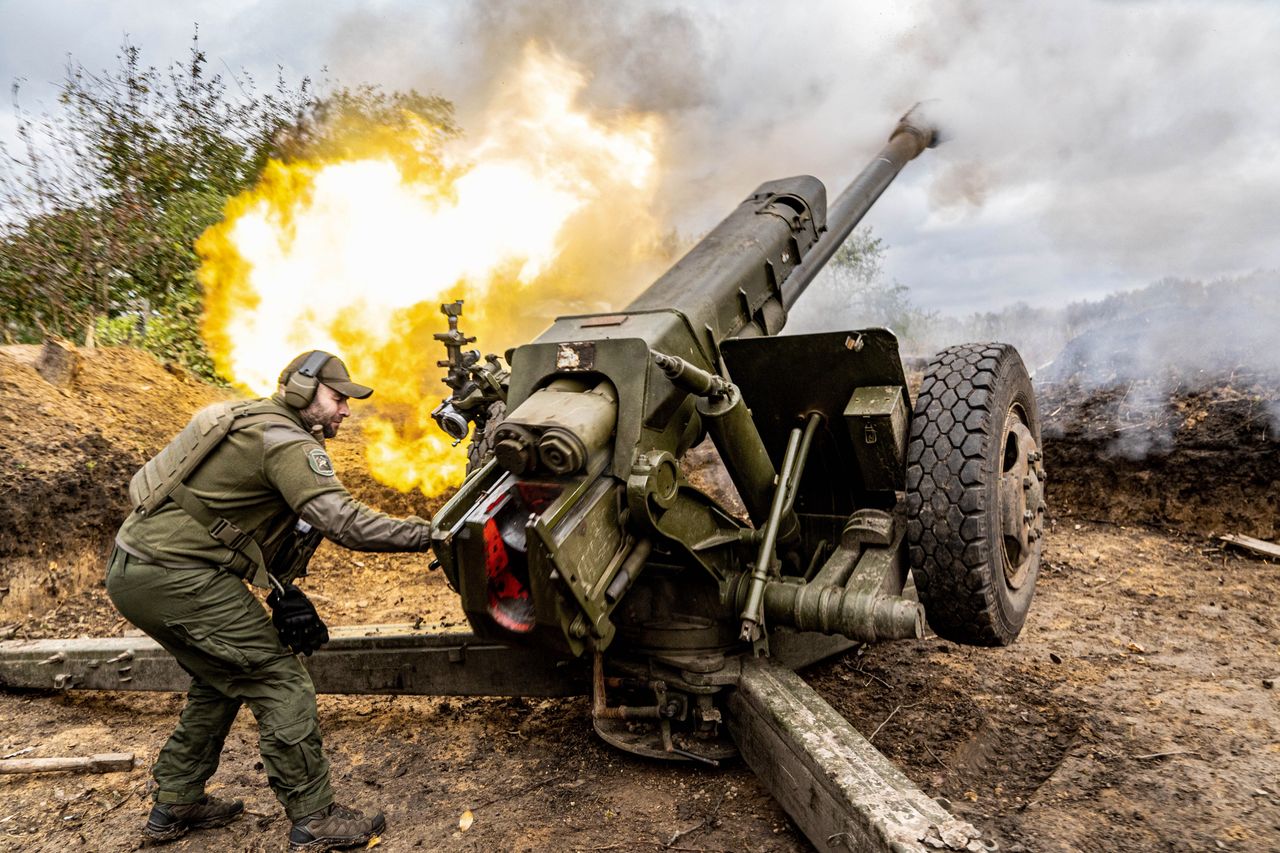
x: 913, y: 134
x: 741, y: 278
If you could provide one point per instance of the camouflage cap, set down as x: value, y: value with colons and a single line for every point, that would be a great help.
x: 332, y: 373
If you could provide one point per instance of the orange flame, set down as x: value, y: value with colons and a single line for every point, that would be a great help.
x: 549, y: 213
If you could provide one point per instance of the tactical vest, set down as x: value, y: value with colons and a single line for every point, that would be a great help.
x: 163, y: 478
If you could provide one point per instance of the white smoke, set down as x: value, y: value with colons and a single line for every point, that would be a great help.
x: 1093, y: 145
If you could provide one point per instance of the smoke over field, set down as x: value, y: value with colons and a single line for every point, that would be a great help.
x: 1093, y: 146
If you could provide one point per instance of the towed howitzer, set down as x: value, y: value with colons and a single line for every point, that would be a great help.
x: 589, y: 527
x: 586, y: 562
x: 582, y: 535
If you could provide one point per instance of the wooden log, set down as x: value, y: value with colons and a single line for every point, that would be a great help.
x: 108, y: 762
x: 837, y: 787
x: 1257, y: 546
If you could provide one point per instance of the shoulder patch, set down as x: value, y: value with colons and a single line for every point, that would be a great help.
x: 320, y: 462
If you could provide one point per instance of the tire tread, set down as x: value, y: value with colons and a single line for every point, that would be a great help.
x: 946, y: 506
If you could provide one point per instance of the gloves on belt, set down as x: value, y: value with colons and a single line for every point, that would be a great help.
x: 296, y: 620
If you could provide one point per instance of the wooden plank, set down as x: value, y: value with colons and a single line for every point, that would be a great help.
x: 108, y: 762
x: 377, y: 659
x: 1256, y: 546
x: 837, y: 787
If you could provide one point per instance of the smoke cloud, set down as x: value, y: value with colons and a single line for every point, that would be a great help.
x: 1092, y: 145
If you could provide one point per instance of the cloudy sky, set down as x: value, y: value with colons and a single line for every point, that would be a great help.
x: 1093, y: 146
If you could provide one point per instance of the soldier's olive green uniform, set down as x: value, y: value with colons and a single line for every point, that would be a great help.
x: 183, y: 587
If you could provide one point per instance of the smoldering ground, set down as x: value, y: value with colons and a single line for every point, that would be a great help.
x: 1173, y: 339
x: 1145, y: 350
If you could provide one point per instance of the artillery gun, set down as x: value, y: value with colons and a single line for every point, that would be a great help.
x: 586, y: 562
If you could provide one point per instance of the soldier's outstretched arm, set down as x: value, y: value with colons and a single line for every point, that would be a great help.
x: 302, y: 471
x: 353, y: 525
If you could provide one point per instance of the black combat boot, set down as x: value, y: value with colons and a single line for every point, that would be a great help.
x: 170, y: 821
x: 333, y: 827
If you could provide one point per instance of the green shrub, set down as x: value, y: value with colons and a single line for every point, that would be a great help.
x: 105, y: 199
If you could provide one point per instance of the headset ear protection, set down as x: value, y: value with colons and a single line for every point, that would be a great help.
x: 300, y: 390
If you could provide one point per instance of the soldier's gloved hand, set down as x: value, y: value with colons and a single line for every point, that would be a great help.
x: 296, y: 620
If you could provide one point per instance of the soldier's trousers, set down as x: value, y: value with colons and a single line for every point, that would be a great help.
x: 219, y: 633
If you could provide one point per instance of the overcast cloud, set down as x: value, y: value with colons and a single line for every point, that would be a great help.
x: 1093, y: 145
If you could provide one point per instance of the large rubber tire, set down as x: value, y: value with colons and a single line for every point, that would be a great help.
x: 480, y: 450
x: 975, y: 494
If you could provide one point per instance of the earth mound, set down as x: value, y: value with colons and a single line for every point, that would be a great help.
x: 68, y: 451
x: 1198, y: 454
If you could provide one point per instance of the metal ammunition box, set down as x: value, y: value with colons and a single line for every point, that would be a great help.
x: 877, y: 421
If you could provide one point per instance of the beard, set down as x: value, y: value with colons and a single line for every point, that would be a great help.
x: 319, y: 421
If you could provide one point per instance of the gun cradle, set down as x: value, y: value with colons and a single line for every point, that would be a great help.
x: 558, y: 427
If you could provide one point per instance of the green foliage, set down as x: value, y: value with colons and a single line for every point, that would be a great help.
x: 860, y: 259
x: 105, y: 199
x: 346, y: 121
x: 120, y: 331
x: 172, y: 334
x: 101, y: 206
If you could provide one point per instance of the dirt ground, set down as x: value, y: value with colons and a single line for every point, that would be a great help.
x: 1136, y: 712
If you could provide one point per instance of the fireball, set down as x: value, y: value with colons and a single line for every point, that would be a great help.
x: 547, y: 212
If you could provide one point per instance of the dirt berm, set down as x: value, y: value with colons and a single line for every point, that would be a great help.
x: 1136, y: 712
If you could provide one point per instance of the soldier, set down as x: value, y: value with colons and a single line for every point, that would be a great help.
x: 244, y: 493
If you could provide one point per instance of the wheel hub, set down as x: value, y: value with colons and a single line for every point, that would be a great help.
x: 1021, y: 498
